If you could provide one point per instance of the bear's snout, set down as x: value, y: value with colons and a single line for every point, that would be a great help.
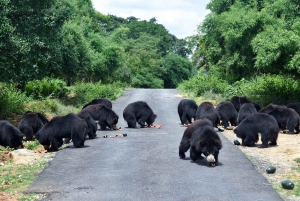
x: 210, y: 158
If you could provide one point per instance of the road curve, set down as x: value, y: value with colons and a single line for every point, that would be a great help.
x: 145, y: 165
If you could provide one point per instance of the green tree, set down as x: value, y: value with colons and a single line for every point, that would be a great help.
x: 177, y: 69
x: 247, y: 38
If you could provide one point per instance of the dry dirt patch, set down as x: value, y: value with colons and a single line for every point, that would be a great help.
x: 281, y: 156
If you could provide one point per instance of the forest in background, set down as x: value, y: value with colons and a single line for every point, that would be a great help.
x: 66, y: 50
x: 63, y: 52
x: 69, y: 40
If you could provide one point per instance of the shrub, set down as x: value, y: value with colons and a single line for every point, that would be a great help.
x: 12, y: 100
x: 81, y: 93
x: 202, y: 82
x: 265, y: 89
x: 46, y: 88
x: 43, y: 106
x: 277, y: 89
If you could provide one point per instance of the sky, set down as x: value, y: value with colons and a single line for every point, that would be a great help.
x: 179, y: 17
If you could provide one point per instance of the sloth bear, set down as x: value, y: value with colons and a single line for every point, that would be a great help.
x: 256, y: 123
x: 31, y: 123
x: 239, y: 101
x: 187, y: 110
x: 138, y: 112
x: 105, y: 116
x: 295, y: 106
x: 227, y: 113
x: 207, y: 110
x: 103, y: 101
x: 286, y: 117
x: 91, y: 125
x: 10, y: 136
x: 68, y: 126
x: 201, y: 138
x: 245, y: 110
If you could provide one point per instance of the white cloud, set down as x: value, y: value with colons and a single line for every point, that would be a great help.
x: 179, y: 17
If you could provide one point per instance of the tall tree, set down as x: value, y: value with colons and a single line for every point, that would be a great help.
x: 245, y: 38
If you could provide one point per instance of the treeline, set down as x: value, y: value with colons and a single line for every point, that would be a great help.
x: 69, y: 40
x: 249, y: 47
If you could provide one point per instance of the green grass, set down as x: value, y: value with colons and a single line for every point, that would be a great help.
x: 15, y: 178
x: 297, y: 160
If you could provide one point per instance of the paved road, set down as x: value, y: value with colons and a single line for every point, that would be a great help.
x: 145, y: 165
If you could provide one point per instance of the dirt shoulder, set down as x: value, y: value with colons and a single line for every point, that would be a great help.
x: 281, y: 156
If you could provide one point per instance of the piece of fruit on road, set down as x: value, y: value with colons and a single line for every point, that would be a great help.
x: 229, y: 128
x: 287, y: 184
x: 236, y: 142
x: 271, y: 169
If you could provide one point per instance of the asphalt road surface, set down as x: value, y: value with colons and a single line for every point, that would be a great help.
x: 145, y: 165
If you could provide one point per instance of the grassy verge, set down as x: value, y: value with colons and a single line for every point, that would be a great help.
x: 14, y: 178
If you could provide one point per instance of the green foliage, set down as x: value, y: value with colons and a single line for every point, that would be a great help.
x: 82, y: 93
x: 244, y: 39
x: 177, y: 69
x: 12, y: 100
x: 265, y: 89
x: 14, y: 178
x: 32, y: 145
x: 203, y: 82
x: 277, y: 89
x: 297, y: 160
x: 43, y: 106
x: 46, y: 88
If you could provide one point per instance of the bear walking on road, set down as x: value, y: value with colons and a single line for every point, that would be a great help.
x: 201, y: 138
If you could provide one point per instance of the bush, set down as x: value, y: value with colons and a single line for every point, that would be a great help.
x: 265, y: 89
x: 46, y: 88
x: 201, y: 83
x: 42, y: 106
x: 277, y: 89
x: 82, y: 93
x: 12, y: 100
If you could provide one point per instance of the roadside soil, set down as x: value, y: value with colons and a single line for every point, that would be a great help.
x: 281, y: 156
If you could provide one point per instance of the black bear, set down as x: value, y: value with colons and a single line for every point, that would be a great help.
x: 239, y: 101
x: 295, y: 106
x: 91, y: 125
x: 10, y: 136
x: 103, y: 101
x: 138, y: 112
x: 207, y: 110
x: 105, y: 116
x: 245, y: 110
x: 227, y: 113
x: 31, y: 123
x: 187, y: 110
x: 68, y: 126
x: 287, y: 118
x: 201, y: 138
x: 256, y: 123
